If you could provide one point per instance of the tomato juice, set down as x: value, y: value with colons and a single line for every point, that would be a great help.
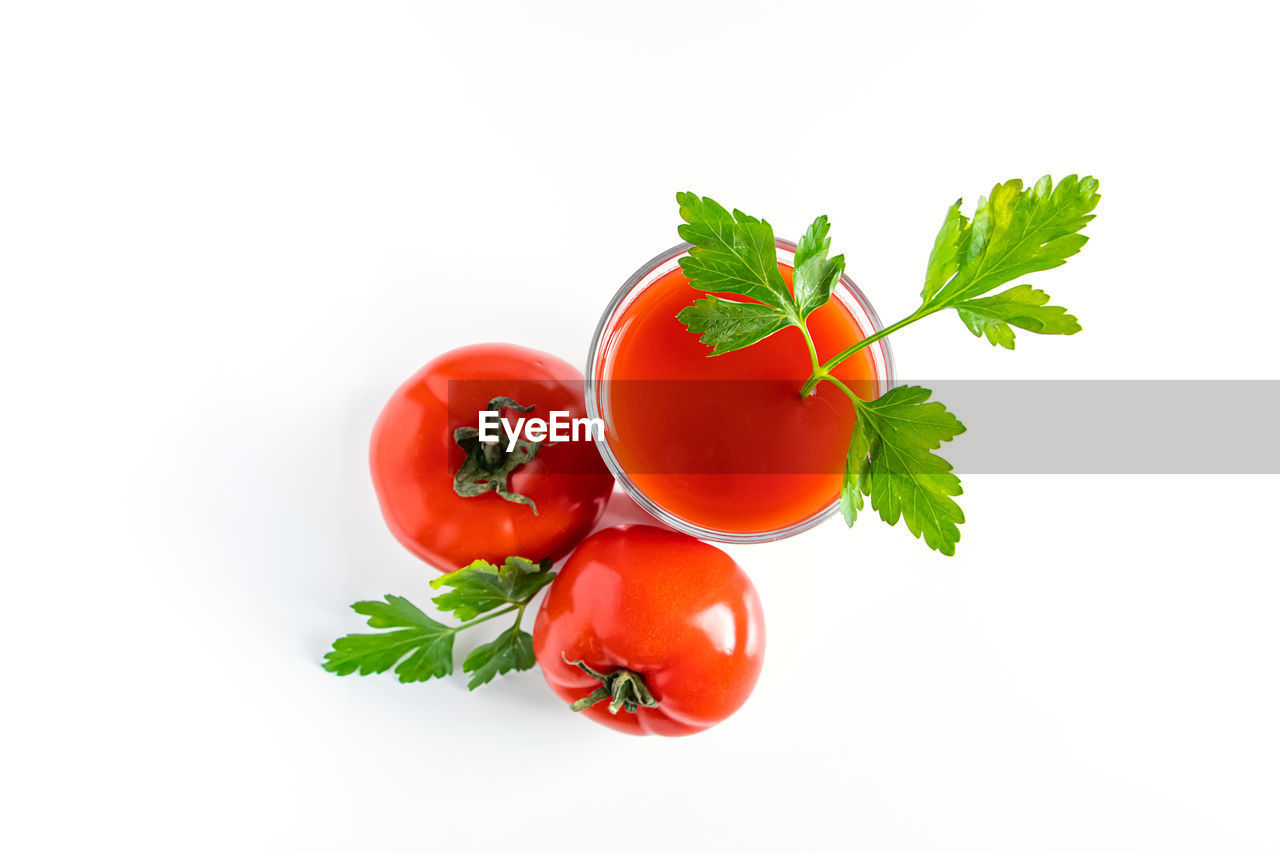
x: 726, y: 444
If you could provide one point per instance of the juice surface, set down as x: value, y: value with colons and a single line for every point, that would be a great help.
x: 726, y: 442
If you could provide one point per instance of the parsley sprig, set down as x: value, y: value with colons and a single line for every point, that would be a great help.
x: 735, y: 253
x: 1013, y: 231
x: 421, y: 648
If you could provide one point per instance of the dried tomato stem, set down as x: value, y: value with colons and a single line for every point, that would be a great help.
x: 624, y: 689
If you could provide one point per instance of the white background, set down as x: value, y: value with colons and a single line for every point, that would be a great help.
x: 228, y: 230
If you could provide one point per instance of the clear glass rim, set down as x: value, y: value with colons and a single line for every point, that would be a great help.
x: 846, y: 290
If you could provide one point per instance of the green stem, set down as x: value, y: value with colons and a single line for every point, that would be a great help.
x: 624, y: 689
x: 848, y: 392
x: 494, y: 615
x: 823, y: 370
x: 808, y: 342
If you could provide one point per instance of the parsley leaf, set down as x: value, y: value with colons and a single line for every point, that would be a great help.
x: 891, y: 460
x: 736, y: 253
x: 482, y: 586
x: 815, y: 273
x: 944, y: 260
x: 427, y: 644
x: 1014, y: 231
x: 731, y: 253
x: 513, y: 649
x: 726, y: 325
x: 1022, y: 306
x: 423, y: 648
x: 857, y: 468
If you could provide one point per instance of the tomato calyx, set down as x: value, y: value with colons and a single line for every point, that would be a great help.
x: 490, y: 463
x: 624, y: 689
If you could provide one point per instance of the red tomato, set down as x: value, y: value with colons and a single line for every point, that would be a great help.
x: 414, y: 457
x: 674, y: 611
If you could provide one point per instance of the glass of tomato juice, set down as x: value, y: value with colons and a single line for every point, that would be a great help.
x: 724, y: 447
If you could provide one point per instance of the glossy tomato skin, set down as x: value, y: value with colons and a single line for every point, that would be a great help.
x: 413, y: 457
x: 676, y: 610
